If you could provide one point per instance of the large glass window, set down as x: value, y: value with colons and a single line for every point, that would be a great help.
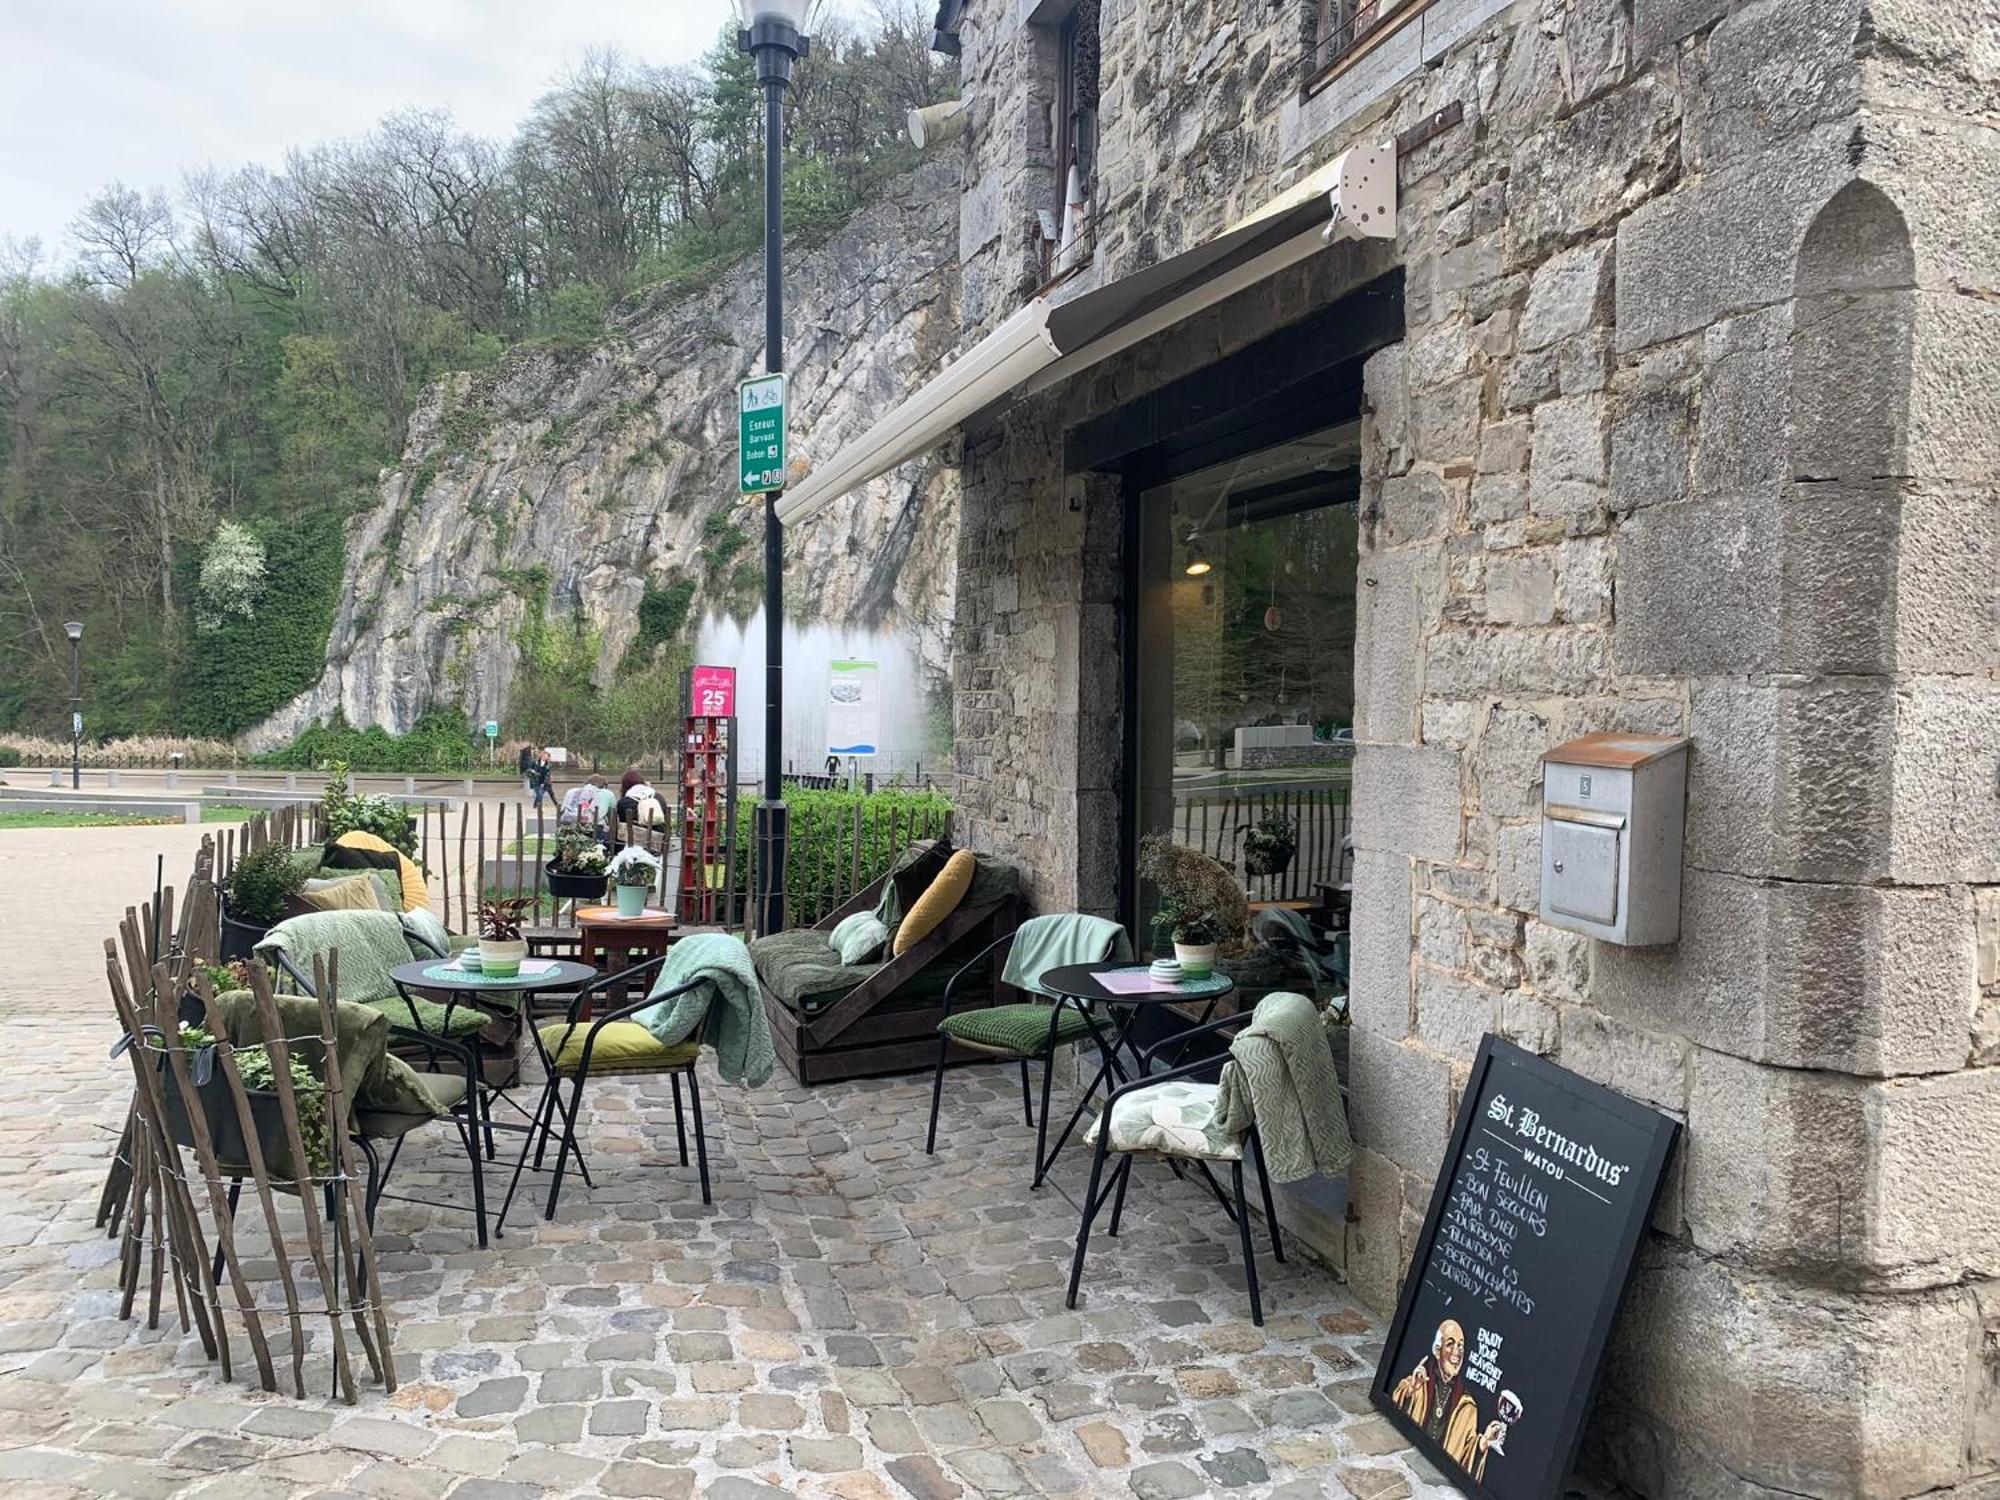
x: 1245, y: 662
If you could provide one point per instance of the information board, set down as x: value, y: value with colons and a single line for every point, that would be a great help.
x: 760, y: 433
x: 1500, y: 1332
x: 854, y: 708
x: 712, y: 692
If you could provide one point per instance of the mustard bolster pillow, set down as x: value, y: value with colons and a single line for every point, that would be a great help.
x: 930, y: 909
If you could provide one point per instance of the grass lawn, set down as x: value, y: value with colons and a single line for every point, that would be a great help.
x: 211, y: 812
x: 33, y: 819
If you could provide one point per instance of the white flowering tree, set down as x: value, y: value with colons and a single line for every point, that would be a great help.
x: 232, y: 576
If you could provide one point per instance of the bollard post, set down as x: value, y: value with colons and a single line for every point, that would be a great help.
x: 291, y: 781
x: 229, y: 780
x: 409, y: 786
x: 111, y: 779
x: 55, y: 778
x: 173, y: 781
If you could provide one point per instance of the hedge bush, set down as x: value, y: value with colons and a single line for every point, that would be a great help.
x: 439, y: 741
x: 821, y: 871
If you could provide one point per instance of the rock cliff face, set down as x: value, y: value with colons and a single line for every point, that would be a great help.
x: 578, y: 479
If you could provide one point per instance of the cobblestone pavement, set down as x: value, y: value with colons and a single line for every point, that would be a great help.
x: 850, y: 1319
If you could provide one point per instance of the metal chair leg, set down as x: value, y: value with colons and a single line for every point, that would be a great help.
x: 474, y: 1155
x: 1270, y: 1206
x: 1042, y: 1124
x: 371, y: 1197
x: 564, y: 1145
x: 538, y: 1129
x: 700, y: 1135
x: 1027, y: 1098
x: 937, y: 1093
x: 1118, y: 1201
x: 1243, y: 1234
x: 680, y: 1121
x: 1091, y: 1202
x: 235, y: 1193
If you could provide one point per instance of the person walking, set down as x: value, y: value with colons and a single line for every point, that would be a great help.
x: 542, y: 779
x: 528, y: 769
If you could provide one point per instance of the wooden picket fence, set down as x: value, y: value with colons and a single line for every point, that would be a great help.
x: 176, y: 1220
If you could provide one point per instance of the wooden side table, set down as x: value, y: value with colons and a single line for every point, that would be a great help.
x: 606, y: 941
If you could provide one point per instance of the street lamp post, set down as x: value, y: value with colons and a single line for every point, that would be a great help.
x: 771, y: 33
x: 74, y: 630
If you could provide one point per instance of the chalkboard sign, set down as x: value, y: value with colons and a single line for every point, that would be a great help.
x: 1499, y: 1334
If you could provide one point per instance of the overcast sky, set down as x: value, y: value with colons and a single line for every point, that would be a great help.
x: 142, y: 90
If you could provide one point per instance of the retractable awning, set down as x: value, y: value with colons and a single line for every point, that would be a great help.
x: 1046, y: 341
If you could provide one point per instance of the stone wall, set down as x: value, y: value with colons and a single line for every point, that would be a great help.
x: 1695, y: 430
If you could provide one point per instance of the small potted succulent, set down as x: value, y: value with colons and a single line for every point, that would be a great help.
x: 1268, y: 845
x: 634, y: 872
x: 254, y: 897
x: 577, y: 873
x: 501, y: 945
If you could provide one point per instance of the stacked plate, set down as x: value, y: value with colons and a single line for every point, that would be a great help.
x: 469, y: 960
x: 1167, y: 970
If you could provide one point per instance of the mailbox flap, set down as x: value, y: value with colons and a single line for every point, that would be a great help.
x: 1583, y: 870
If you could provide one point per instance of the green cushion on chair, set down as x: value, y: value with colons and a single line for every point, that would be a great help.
x: 432, y: 1095
x: 466, y: 1020
x: 1020, y: 1028
x: 621, y: 1047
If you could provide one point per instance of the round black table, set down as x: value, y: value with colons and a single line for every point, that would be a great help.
x: 537, y: 976
x: 1079, y: 986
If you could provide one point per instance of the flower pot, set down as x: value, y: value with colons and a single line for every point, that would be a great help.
x: 632, y: 899
x: 574, y: 887
x: 1197, y: 959
x: 501, y: 960
x: 1266, y: 861
x: 239, y: 939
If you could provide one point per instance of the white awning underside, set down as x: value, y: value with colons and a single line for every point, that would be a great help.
x: 1046, y: 342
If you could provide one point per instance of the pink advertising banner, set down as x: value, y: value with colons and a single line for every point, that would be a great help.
x: 714, y: 692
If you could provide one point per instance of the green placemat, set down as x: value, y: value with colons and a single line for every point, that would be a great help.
x: 452, y: 974
x: 1215, y: 984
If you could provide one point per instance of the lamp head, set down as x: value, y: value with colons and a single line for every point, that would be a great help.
x: 73, y: 629
x: 791, y: 12
x: 772, y: 32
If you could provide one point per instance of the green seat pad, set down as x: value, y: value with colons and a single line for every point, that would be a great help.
x: 808, y: 976
x: 435, y: 1094
x: 466, y: 1020
x: 1020, y: 1028
x: 621, y: 1047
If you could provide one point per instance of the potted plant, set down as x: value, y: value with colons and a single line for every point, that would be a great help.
x: 501, y: 946
x: 577, y: 873
x: 217, y: 1104
x: 635, y: 872
x: 1268, y: 845
x: 1186, y: 915
x: 254, y: 897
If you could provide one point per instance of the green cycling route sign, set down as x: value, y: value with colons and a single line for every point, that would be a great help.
x: 760, y: 433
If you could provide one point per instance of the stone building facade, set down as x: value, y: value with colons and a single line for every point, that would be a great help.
x: 1691, y: 425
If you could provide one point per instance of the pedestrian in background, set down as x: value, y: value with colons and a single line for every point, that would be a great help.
x: 542, y: 779
x: 528, y: 769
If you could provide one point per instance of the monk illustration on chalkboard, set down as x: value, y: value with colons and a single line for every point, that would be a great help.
x: 1434, y: 1396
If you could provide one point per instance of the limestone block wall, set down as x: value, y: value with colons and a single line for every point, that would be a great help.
x: 1695, y: 428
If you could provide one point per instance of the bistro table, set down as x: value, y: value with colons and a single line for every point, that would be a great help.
x: 602, y: 932
x: 1082, y: 987
x: 460, y: 984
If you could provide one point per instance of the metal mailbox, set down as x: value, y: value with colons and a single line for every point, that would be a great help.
x: 1613, y: 806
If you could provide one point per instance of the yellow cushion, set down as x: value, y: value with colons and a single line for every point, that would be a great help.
x: 928, y: 911
x: 621, y: 1046
x: 415, y: 892
x: 356, y: 893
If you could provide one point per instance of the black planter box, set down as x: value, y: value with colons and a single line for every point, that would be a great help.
x: 575, y: 887
x: 218, y: 1108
